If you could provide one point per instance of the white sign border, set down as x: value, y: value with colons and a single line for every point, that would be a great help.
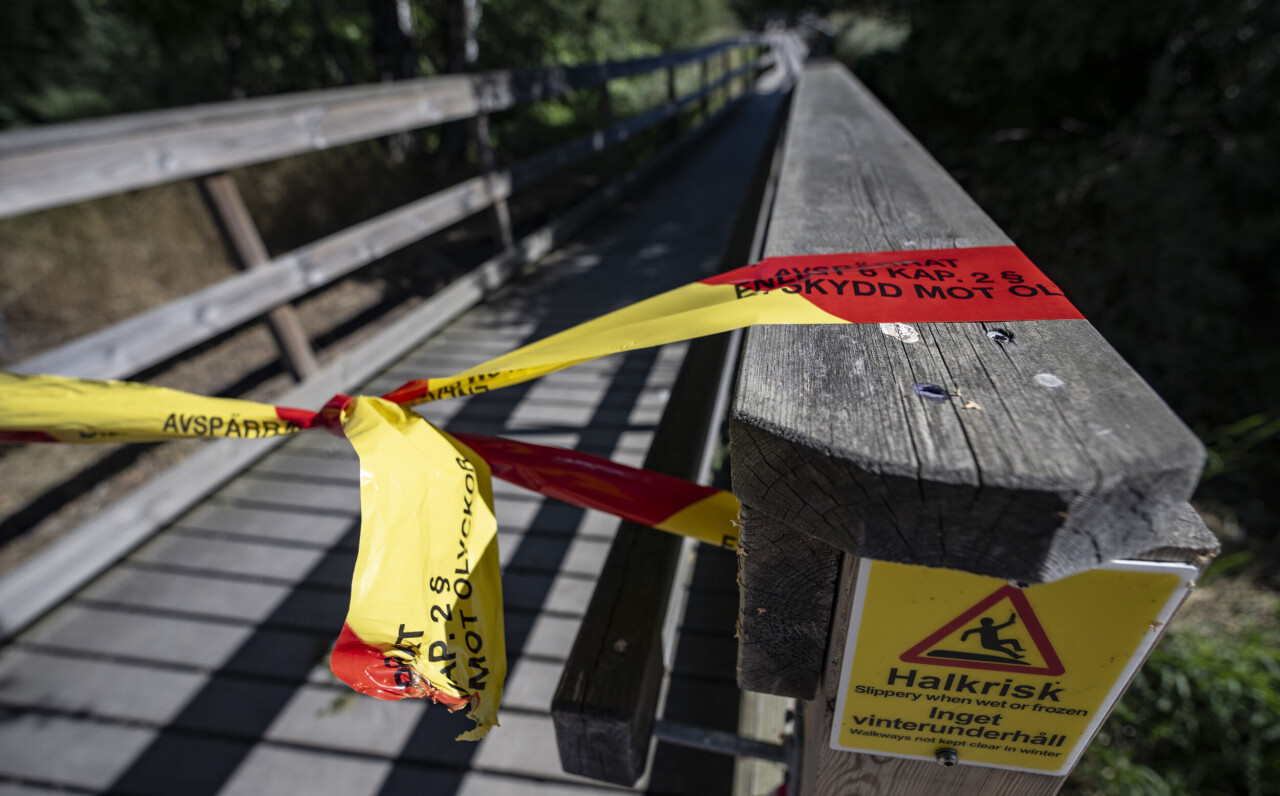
x: 1188, y: 574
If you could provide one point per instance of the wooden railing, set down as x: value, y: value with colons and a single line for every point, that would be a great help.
x: 53, y: 166
x: 1056, y: 458
x: 58, y: 165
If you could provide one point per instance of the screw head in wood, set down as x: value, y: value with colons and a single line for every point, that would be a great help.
x: 948, y: 757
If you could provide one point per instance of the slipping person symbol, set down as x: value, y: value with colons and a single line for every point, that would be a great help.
x: 989, y: 636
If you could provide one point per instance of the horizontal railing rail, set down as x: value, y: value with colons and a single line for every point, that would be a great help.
x: 52, y: 166
x: 135, y: 344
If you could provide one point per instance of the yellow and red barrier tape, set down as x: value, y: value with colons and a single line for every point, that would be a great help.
x: 425, y: 618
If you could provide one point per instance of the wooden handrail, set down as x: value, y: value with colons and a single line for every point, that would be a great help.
x: 149, y: 338
x: 1078, y: 473
x: 1056, y: 457
x: 57, y: 165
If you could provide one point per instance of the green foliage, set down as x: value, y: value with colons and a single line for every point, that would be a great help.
x: 859, y: 35
x: 74, y: 58
x: 1202, y: 717
x: 515, y: 34
x: 68, y: 59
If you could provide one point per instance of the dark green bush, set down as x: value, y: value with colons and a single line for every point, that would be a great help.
x: 1202, y: 717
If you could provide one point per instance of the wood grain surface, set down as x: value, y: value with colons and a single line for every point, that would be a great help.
x: 1051, y: 455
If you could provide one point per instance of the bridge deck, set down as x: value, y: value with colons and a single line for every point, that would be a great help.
x: 199, y: 664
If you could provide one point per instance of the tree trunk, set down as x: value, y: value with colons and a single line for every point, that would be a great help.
x: 396, y: 58
x: 460, y: 51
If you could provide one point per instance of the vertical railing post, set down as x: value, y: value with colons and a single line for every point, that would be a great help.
x: 673, y: 127
x: 704, y: 75
x: 726, y: 61
x: 604, y: 120
x: 501, y: 211
x: 247, y: 250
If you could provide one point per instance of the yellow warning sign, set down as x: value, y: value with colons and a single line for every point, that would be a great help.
x: 1007, y: 677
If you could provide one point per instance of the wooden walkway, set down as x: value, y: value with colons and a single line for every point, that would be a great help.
x: 199, y: 664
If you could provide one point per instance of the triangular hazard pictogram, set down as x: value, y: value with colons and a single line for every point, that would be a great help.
x: 981, y: 638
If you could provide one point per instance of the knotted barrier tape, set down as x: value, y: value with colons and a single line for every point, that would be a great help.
x: 425, y: 617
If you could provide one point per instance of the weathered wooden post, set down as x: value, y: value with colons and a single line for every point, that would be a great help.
x: 1038, y: 455
x: 464, y: 20
x: 604, y: 120
x: 673, y: 126
x: 501, y: 219
x: 726, y: 68
x: 244, y: 244
x: 704, y: 75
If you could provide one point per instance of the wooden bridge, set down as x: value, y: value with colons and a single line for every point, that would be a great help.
x: 178, y: 641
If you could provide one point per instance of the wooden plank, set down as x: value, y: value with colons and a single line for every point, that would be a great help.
x: 247, y: 249
x: 152, y: 337
x: 175, y: 592
x: 321, y: 718
x: 479, y: 128
x: 240, y: 577
x: 411, y: 731
x: 83, y: 160
x: 243, y: 559
x: 272, y: 769
x: 1039, y: 483
x: 333, y: 498
x: 214, y: 517
x: 92, y: 630
x: 37, y: 747
x: 604, y: 705
x: 99, y: 631
x: 142, y: 692
x: 604, y: 120
x: 316, y: 718
x: 480, y: 783
x: 59, y: 682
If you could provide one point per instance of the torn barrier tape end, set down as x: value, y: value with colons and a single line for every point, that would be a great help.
x: 426, y: 593
x: 641, y: 496
x: 371, y: 671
